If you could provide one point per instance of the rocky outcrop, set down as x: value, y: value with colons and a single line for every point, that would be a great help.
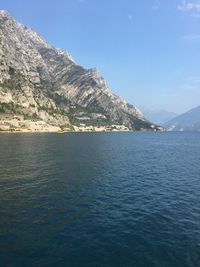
x: 40, y: 80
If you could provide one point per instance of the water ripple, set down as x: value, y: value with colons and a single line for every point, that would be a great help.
x: 118, y: 199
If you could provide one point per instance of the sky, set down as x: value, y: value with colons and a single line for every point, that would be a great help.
x: 148, y: 50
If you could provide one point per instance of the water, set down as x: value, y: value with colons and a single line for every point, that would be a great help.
x: 100, y: 199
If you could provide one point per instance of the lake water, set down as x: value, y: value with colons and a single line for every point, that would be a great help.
x: 100, y: 199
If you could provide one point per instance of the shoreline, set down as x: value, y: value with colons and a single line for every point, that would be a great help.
x: 57, y: 132
x: 21, y: 132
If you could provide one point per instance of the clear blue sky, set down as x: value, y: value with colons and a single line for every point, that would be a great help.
x: 148, y: 50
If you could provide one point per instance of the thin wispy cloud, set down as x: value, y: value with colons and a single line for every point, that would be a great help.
x: 192, y: 7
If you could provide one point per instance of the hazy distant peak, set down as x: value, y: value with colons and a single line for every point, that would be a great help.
x: 158, y: 116
x: 188, y: 121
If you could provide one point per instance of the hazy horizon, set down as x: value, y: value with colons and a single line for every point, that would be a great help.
x: 148, y: 52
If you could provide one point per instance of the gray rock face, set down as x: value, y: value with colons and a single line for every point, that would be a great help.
x: 41, y: 80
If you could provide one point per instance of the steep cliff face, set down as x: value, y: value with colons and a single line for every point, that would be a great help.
x: 37, y: 79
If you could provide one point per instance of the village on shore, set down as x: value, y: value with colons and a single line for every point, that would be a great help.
x: 16, y: 123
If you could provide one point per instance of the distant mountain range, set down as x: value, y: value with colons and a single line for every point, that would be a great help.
x: 189, y: 121
x: 44, y: 83
x: 158, y: 116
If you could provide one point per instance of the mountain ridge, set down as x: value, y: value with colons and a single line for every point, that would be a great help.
x: 158, y: 116
x: 37, y: 79
x: 188, y: 121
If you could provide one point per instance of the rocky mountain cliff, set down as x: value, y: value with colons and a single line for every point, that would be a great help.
x: 188, y: 121
x: 42, y: 82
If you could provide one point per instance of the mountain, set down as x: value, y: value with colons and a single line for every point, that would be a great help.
x: 158, y: 116
x: 189, y: 121
x: 44, y: 83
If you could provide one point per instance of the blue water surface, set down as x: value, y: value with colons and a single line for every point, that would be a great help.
x: 100, y: 199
